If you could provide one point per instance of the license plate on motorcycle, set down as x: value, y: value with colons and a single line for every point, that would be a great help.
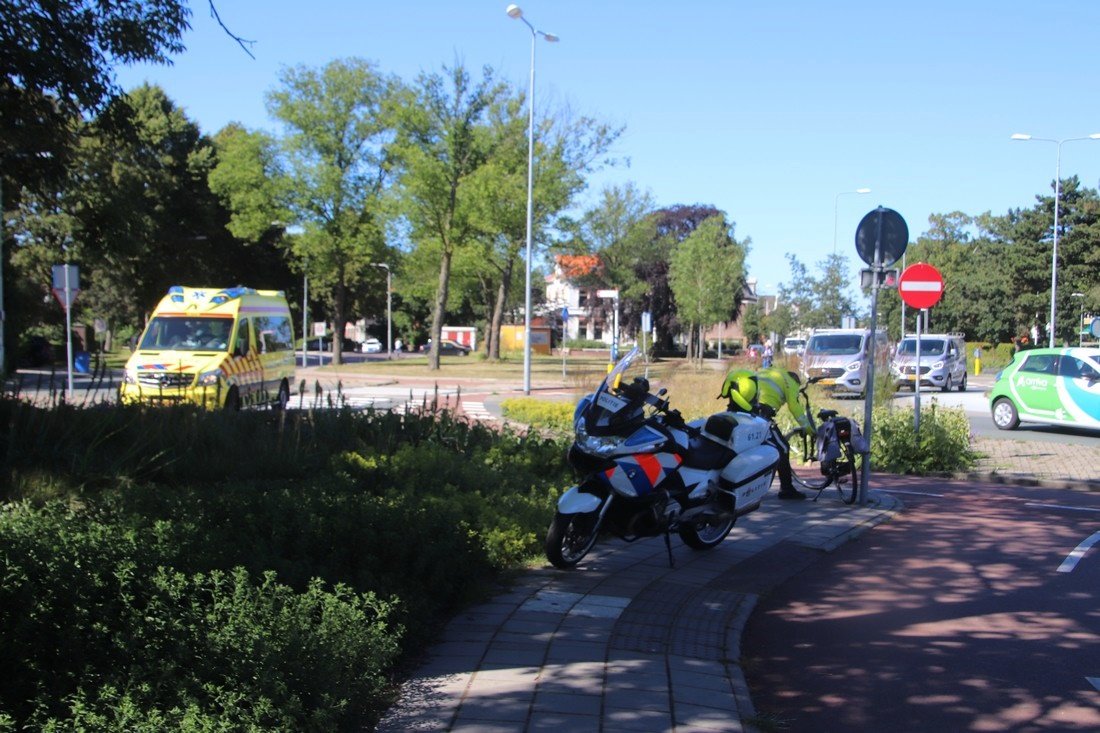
x: 610, y: 402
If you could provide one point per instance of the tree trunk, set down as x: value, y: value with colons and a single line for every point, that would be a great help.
x: 440, y: 307
x: 498, y: 311
x: 338, y: 311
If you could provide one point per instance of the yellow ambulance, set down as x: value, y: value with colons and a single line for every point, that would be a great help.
x: 214, y: 347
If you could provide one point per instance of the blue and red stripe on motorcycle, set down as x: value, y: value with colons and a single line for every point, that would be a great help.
x: 639, y: 474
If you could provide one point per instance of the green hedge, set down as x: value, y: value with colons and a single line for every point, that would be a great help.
x: 556, y: 416
x: 182, y: 569
x: 943, y: 444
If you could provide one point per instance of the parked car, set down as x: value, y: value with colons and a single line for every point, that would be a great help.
x: 446, y: 346
x: 1051, y: 386
x: 942, y: 362
x: 794, y: 346
x: 372, y: 346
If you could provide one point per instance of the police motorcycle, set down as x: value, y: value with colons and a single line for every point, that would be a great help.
x: 645, y: 472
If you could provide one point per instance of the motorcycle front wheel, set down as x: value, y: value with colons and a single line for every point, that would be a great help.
x: 706, y: 536
x: 569, y: 538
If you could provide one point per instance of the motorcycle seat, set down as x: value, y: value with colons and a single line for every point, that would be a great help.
x: 706, y: 454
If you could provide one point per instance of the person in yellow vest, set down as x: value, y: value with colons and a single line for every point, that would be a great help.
x: 765, y: 392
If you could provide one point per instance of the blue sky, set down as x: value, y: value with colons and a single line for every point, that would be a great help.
x: 766, y: 110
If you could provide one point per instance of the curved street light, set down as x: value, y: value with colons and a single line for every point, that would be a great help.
x: 1057, y: 196
x: 836, y: 202
x: 516, y: 13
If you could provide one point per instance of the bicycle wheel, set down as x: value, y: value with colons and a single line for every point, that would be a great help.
x: 847, y: 478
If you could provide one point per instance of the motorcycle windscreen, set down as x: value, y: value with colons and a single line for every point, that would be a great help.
x: 640, y: 474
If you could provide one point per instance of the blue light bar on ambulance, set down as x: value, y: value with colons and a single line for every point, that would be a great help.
x: 230, y: 293
x: 176, y: 291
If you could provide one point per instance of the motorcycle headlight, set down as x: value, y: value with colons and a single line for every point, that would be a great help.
x: 853, y: 367
x: 209, y: 379
x: 596, y: 445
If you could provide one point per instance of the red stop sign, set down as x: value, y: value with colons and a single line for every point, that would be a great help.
x: 920, y: 285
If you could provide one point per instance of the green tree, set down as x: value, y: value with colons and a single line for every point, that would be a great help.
x: 329, y: 174
x: 822, y: 301
x: 705, y: 273
x: 57, y: 65
x: 443, y: 141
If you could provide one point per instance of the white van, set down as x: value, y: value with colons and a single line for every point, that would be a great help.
x: 838, y: 357
x: 794, y: 346
x: 942, y: 361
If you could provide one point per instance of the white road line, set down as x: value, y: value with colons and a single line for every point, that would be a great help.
x: 1062, y: 506
x: 1075, y: 557
x: 914, y: 493
x: 477, y: 410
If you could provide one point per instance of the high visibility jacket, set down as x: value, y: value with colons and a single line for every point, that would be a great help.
x: 776, y: 387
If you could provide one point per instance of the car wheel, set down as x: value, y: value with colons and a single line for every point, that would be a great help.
x: 962, y: 385
x: 946, y: 384
x: 1005, y: 416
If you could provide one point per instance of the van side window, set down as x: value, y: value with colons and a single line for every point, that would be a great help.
x: 1041, y: 364
x: 275, y: 333
x: 242, y: 345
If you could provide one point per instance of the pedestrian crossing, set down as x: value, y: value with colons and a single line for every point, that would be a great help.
x: 477, y: 411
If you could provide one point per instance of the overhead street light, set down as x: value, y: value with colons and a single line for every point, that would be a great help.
x: 836, y: 202
x: 1057, y: 197
x: 516, y: 13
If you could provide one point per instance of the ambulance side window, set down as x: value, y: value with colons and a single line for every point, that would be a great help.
x: 241, y: 346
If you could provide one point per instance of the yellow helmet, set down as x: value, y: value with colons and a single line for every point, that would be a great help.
x: 740, y: 388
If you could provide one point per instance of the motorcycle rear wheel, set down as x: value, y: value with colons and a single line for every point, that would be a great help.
x: 706, y: 536
x: 569, y: 539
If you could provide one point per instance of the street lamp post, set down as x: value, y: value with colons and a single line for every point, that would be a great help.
x: 389, y: 311
x: 836, y: 205
x: 1080, y: 317
x: 516, y: 13
x: 1057, y: 196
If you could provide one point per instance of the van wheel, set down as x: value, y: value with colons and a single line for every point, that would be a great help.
x: 232, y: 401
x: 962, y: 387
x: 946, y: 384
x: 283, y: 398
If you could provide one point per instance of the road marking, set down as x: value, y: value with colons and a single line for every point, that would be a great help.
x: 476, y: 410
x: 1061, y: 506
x: 914, y: 493
x: 1075, y: 557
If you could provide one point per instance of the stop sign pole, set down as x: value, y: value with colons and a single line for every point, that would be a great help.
x: 920, y: 286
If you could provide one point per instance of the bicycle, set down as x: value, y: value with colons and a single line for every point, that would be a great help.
x: 832, y: 443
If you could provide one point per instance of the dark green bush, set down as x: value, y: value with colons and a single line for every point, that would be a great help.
x: 943, y: 444
x: 207, y: 571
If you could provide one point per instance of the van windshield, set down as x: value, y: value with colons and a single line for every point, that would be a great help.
x: 188, y: 333
x: 835, y: 343
x: 908, y: 347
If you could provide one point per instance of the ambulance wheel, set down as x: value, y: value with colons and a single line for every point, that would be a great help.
x: 232, y: 401
x: 705, y: 536
x: 283, y: 398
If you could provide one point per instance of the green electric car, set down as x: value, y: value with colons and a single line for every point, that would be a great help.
x: 1051, y: 386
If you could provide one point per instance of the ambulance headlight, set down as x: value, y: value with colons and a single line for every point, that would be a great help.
x: 209, y: 379
x: 129, y: 377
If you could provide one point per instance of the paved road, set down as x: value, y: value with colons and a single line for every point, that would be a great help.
x: 961, y: 614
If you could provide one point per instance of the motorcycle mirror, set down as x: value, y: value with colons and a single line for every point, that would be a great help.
x: 662, y: 392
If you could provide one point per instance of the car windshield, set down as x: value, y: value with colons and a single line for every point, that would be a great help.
x: 190, y: 333
x: 836, y: 343
x: 908, y: 347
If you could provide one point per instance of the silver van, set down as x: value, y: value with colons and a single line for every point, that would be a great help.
x: 942, y: 362
x: 839, y: 357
